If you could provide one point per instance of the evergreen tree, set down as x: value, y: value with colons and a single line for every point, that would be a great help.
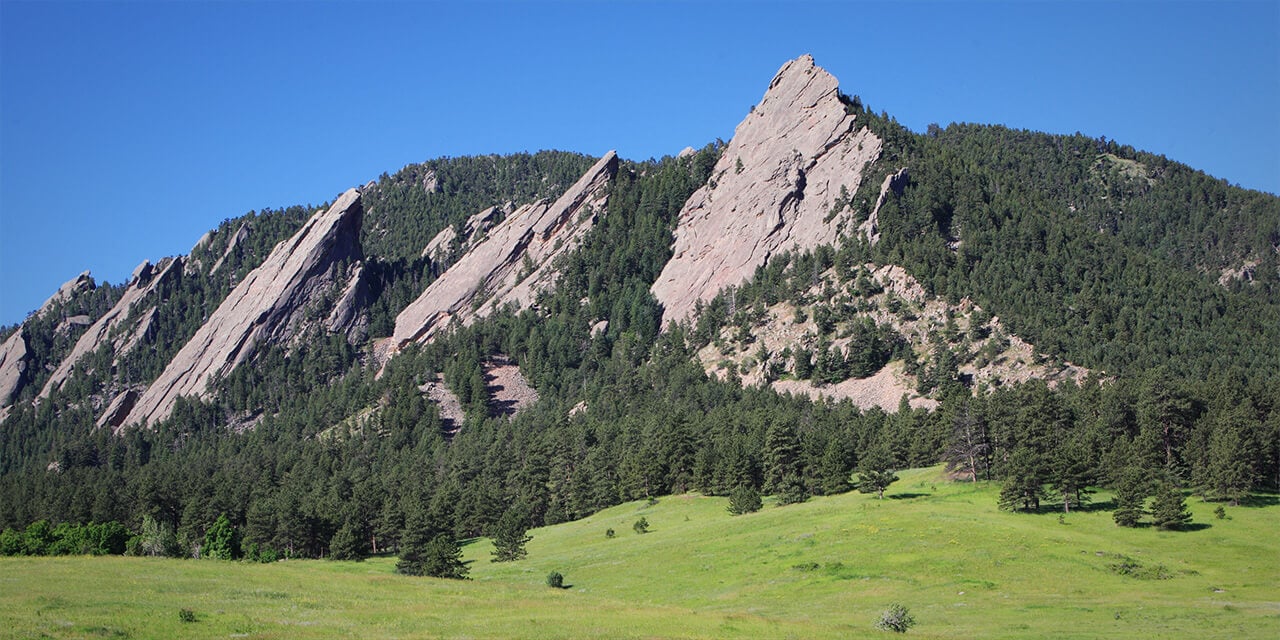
x: 1131, y: 489
x: 510, y: 536
x: 1024, y: 481
x: 347, y: 543
x: 783, y: 473
x: 1226, y: 473
x: 875, y: 471
x: 1169, y: 510
x: 744, y: 499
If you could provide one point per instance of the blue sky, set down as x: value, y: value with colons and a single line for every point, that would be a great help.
x: 129, y: 129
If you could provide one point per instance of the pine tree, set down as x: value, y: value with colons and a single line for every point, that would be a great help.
x: 347, y: 543
x: 744, y: 499
x: 510, y: 536
x: 1169, y: 510
x: 875, y: 471
x: 1131, y: 490
x: 783, y: 474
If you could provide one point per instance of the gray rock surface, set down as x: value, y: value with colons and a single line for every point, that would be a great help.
x: 775, y: 188
x: 241, y: 233
x: 897, y: 181
x: 13, y: 366
x: 270, y: 304
x: 146, y: 281
x: 495, y: 271
x: 82, y: 282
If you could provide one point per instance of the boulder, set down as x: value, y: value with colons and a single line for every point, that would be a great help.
x: 512, y: 263
x: 776, y: 187
x: 269, y: 305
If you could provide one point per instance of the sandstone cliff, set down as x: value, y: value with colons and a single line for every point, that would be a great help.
x: 82, y: 282
x: 147, y: 280
x: 777, y: 187
x: 512, y: 263
x: 13, y: 368
x: 269, y: 305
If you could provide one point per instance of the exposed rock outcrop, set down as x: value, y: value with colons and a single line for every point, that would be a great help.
x: 119, y: 409
x: 269, y: 305
x: 241, y: 233
x: 82, y: 282
x: 897, y: 181
x: 147, y: 280
x: 777, y: 187
x: 13, y: 367
x: 512, y: 263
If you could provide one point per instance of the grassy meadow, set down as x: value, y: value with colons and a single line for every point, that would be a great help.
x: 822, y: 569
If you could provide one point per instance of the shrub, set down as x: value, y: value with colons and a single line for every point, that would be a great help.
x: 555, y: 580
x: 186, y: 615
x: 895, y: 618
x: 609, y: 533
x: 641, y: 525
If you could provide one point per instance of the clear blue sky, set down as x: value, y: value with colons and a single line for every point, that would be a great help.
x: 128, y: 129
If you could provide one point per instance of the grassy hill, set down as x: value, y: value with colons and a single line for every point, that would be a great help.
x: 822, y: 569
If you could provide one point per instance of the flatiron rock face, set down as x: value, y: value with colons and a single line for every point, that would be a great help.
x: 269, y: 305
x: 13, y: 367
x: 777, y: 187
x: 146, y: 282
x: 512, y: 263
x: 82, y: 282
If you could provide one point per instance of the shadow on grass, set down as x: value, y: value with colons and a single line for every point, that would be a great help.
x: 906, y: 496
x: 1255, y: 500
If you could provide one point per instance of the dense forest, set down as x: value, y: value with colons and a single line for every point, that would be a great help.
x: 1092, y: 251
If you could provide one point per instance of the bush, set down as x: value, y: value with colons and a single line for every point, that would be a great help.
x: 555, y: 580
x: 609, y: 533
x: 641, y: 525
x: 895, y: 618
x: 186, y: 615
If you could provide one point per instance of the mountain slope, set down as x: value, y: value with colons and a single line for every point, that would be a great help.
x: 268, y: 305
x: 777, y: 187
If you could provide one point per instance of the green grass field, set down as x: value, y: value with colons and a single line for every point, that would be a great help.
x: 823, y: 569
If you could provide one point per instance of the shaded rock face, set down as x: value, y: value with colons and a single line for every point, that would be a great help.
x: 13, y: 367
x: 513, y: 262
x: 870, y: 228
x: 775, y: 188
x: 147, y: 280
x: 269, y: 305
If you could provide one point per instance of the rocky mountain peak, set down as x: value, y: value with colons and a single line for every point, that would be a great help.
x: 269, y: 305
x: 512, y: 263
x: 777, y: 187
x: 146, y: 281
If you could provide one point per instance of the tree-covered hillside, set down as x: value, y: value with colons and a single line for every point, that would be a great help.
x: 1091, y: 251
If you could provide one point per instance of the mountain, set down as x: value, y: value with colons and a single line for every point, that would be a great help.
x: 553, y: 334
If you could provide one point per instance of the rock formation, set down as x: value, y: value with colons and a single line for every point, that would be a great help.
x: 241, y: 233
x: 512, y: 263
x: 13, y: 368
x: 147, y: 279
x: 870, y: 228
x: 270, y: 304
x: 82, y: 282
x: 777, y: 187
